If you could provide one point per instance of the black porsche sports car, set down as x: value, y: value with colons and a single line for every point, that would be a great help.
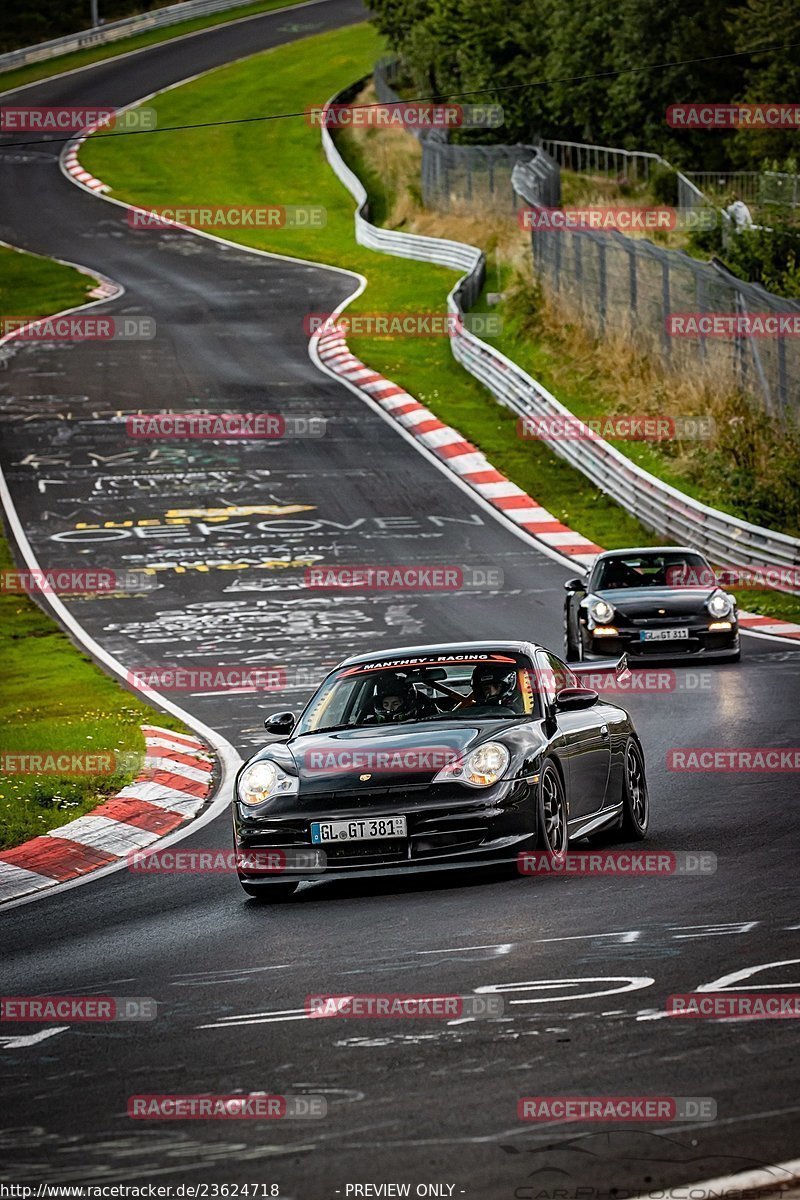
x: 428, y: 757
x: 653, y: 602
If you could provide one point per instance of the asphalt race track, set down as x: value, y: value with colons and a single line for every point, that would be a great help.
x: 592, y: 960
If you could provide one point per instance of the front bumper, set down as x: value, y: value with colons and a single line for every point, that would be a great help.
x: 442, y: 833
x: 701, y: 643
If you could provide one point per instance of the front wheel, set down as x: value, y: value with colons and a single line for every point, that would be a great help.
x: 635, y: 797
x: 553, y: 832
x: 573, y: 650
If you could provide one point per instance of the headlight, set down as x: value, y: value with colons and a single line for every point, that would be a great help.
x: 480, y: 768
x: 720, y: 604
x: 263, y: 780
x: 600, y: 610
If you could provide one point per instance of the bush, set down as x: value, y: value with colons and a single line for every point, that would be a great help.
x: 664, y: 185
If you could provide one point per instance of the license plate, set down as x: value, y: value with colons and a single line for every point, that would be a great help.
x: 358, y: 831
x: 663, y: 635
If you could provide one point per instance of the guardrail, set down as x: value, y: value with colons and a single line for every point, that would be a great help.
x: 613, y: 160
x: 728, y: 541
x: 114, y: 30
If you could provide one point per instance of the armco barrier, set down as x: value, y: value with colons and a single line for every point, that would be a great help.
x: 114, y: 30
x: 726, y: 540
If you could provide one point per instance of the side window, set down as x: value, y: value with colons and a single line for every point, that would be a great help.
x: 558, y: 675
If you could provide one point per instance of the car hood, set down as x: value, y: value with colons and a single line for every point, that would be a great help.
x: 381, y: 755
x: 646, y: 601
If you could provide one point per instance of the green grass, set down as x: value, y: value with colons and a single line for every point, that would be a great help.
x: 282, y: 162
x: 31, y: 286
x: 18, y: 76
x: 54, y: 699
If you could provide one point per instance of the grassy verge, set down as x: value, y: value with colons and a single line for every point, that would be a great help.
x: 283, y: 163
x: 54, y: 699
x: 31, y: 286
x: 32, y: 72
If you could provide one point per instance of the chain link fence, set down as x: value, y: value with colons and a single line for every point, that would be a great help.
x: 631, y: 287
x: 626, y: 286
x: 471, y: 176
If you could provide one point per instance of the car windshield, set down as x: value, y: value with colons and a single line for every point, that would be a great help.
x: 428, y: 687
x: 676, y: 568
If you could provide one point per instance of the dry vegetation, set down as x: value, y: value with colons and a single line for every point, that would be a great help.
x: 751, y: 465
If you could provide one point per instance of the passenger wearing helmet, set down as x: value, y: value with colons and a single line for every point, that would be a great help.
x: 494, y: 686
x: 396, y: 699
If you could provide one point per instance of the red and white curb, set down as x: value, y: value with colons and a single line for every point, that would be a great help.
x: 758, y: 624
x: 74, y: 168
x: 174, y: 784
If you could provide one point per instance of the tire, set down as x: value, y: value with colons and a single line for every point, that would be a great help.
x: 635, y: 796
x: 553, y: 831
x: 269, y: 893
x: 572, y: 649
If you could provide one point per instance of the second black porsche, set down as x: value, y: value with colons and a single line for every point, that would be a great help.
x: 661, y: 601
x: 428, y: 757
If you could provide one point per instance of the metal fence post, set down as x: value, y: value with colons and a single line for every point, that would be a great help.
x: 601, y: 262
x: 665, y: 306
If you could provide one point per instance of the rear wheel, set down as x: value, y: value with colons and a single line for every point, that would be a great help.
x: 635, y: 797
x: 553, y: 833
x: 269, y: 893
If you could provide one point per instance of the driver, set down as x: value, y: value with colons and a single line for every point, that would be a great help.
x: 396, y: 699
x: 494, y: 686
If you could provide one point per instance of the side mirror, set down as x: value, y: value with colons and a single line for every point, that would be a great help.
x: 575, y: 585
x: 280, y: 724
x: 572, y: 699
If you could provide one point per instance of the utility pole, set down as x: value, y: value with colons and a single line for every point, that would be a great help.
x: 95, y: 14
